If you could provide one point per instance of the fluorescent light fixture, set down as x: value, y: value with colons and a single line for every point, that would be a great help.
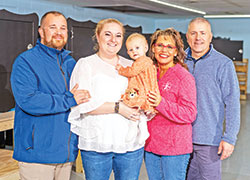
x: 228, y: 16
x: 178, y: 7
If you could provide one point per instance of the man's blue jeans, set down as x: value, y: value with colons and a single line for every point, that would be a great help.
x: 98, y: 166
x: 166, y: 167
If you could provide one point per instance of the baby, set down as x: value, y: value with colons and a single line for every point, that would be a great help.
x: 142, y: 78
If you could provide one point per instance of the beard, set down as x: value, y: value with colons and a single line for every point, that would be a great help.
x: 56, y: 43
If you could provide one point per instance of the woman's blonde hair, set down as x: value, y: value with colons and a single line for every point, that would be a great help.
x: 100, y: 26
x: 175, y: 35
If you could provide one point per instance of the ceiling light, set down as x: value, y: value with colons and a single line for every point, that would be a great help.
x: 228, y: 16
x: 178, y: 7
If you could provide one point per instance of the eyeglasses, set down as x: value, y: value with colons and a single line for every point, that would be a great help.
x: 160, y: 46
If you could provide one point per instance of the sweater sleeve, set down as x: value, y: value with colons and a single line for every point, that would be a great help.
x: 137, y: 67
x: 30, y: 98
x: 184, y: 110
x: 231, y: 98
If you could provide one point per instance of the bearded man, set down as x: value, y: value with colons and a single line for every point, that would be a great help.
x: 44, y: 145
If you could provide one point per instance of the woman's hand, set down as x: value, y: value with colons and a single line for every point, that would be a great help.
x: 153, y: 99
x: 150, y: 114
x: 129, y: 113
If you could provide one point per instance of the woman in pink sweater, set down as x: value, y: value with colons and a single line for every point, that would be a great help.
x: 170, y: 143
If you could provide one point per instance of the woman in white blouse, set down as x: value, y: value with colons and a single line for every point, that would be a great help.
x: 102, y: 123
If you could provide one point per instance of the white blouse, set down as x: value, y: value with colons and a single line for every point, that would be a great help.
x: 106, y: 132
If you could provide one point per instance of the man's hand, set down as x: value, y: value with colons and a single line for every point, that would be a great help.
x: 225, y: 149
x: 81, y: 96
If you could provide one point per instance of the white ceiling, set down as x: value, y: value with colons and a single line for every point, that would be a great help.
x: 143, y: 7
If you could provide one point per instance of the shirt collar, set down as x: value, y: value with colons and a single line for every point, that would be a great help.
x: 189, y: 54
x: 52, y: 51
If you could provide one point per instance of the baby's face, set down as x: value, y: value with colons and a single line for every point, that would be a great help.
x: 136, y: 48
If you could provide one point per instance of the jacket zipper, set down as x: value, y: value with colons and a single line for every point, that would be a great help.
x: 60, y: 66
x: 67, y: 88
x: 69, y: 147
x: 194, y: 67
x: 32, y: 146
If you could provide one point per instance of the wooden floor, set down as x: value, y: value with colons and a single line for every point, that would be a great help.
x: 8, y: 166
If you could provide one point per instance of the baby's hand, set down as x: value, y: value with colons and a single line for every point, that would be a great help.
x: 118, y: 66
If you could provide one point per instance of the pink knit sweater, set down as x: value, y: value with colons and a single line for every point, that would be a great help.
x: 171, y: 130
